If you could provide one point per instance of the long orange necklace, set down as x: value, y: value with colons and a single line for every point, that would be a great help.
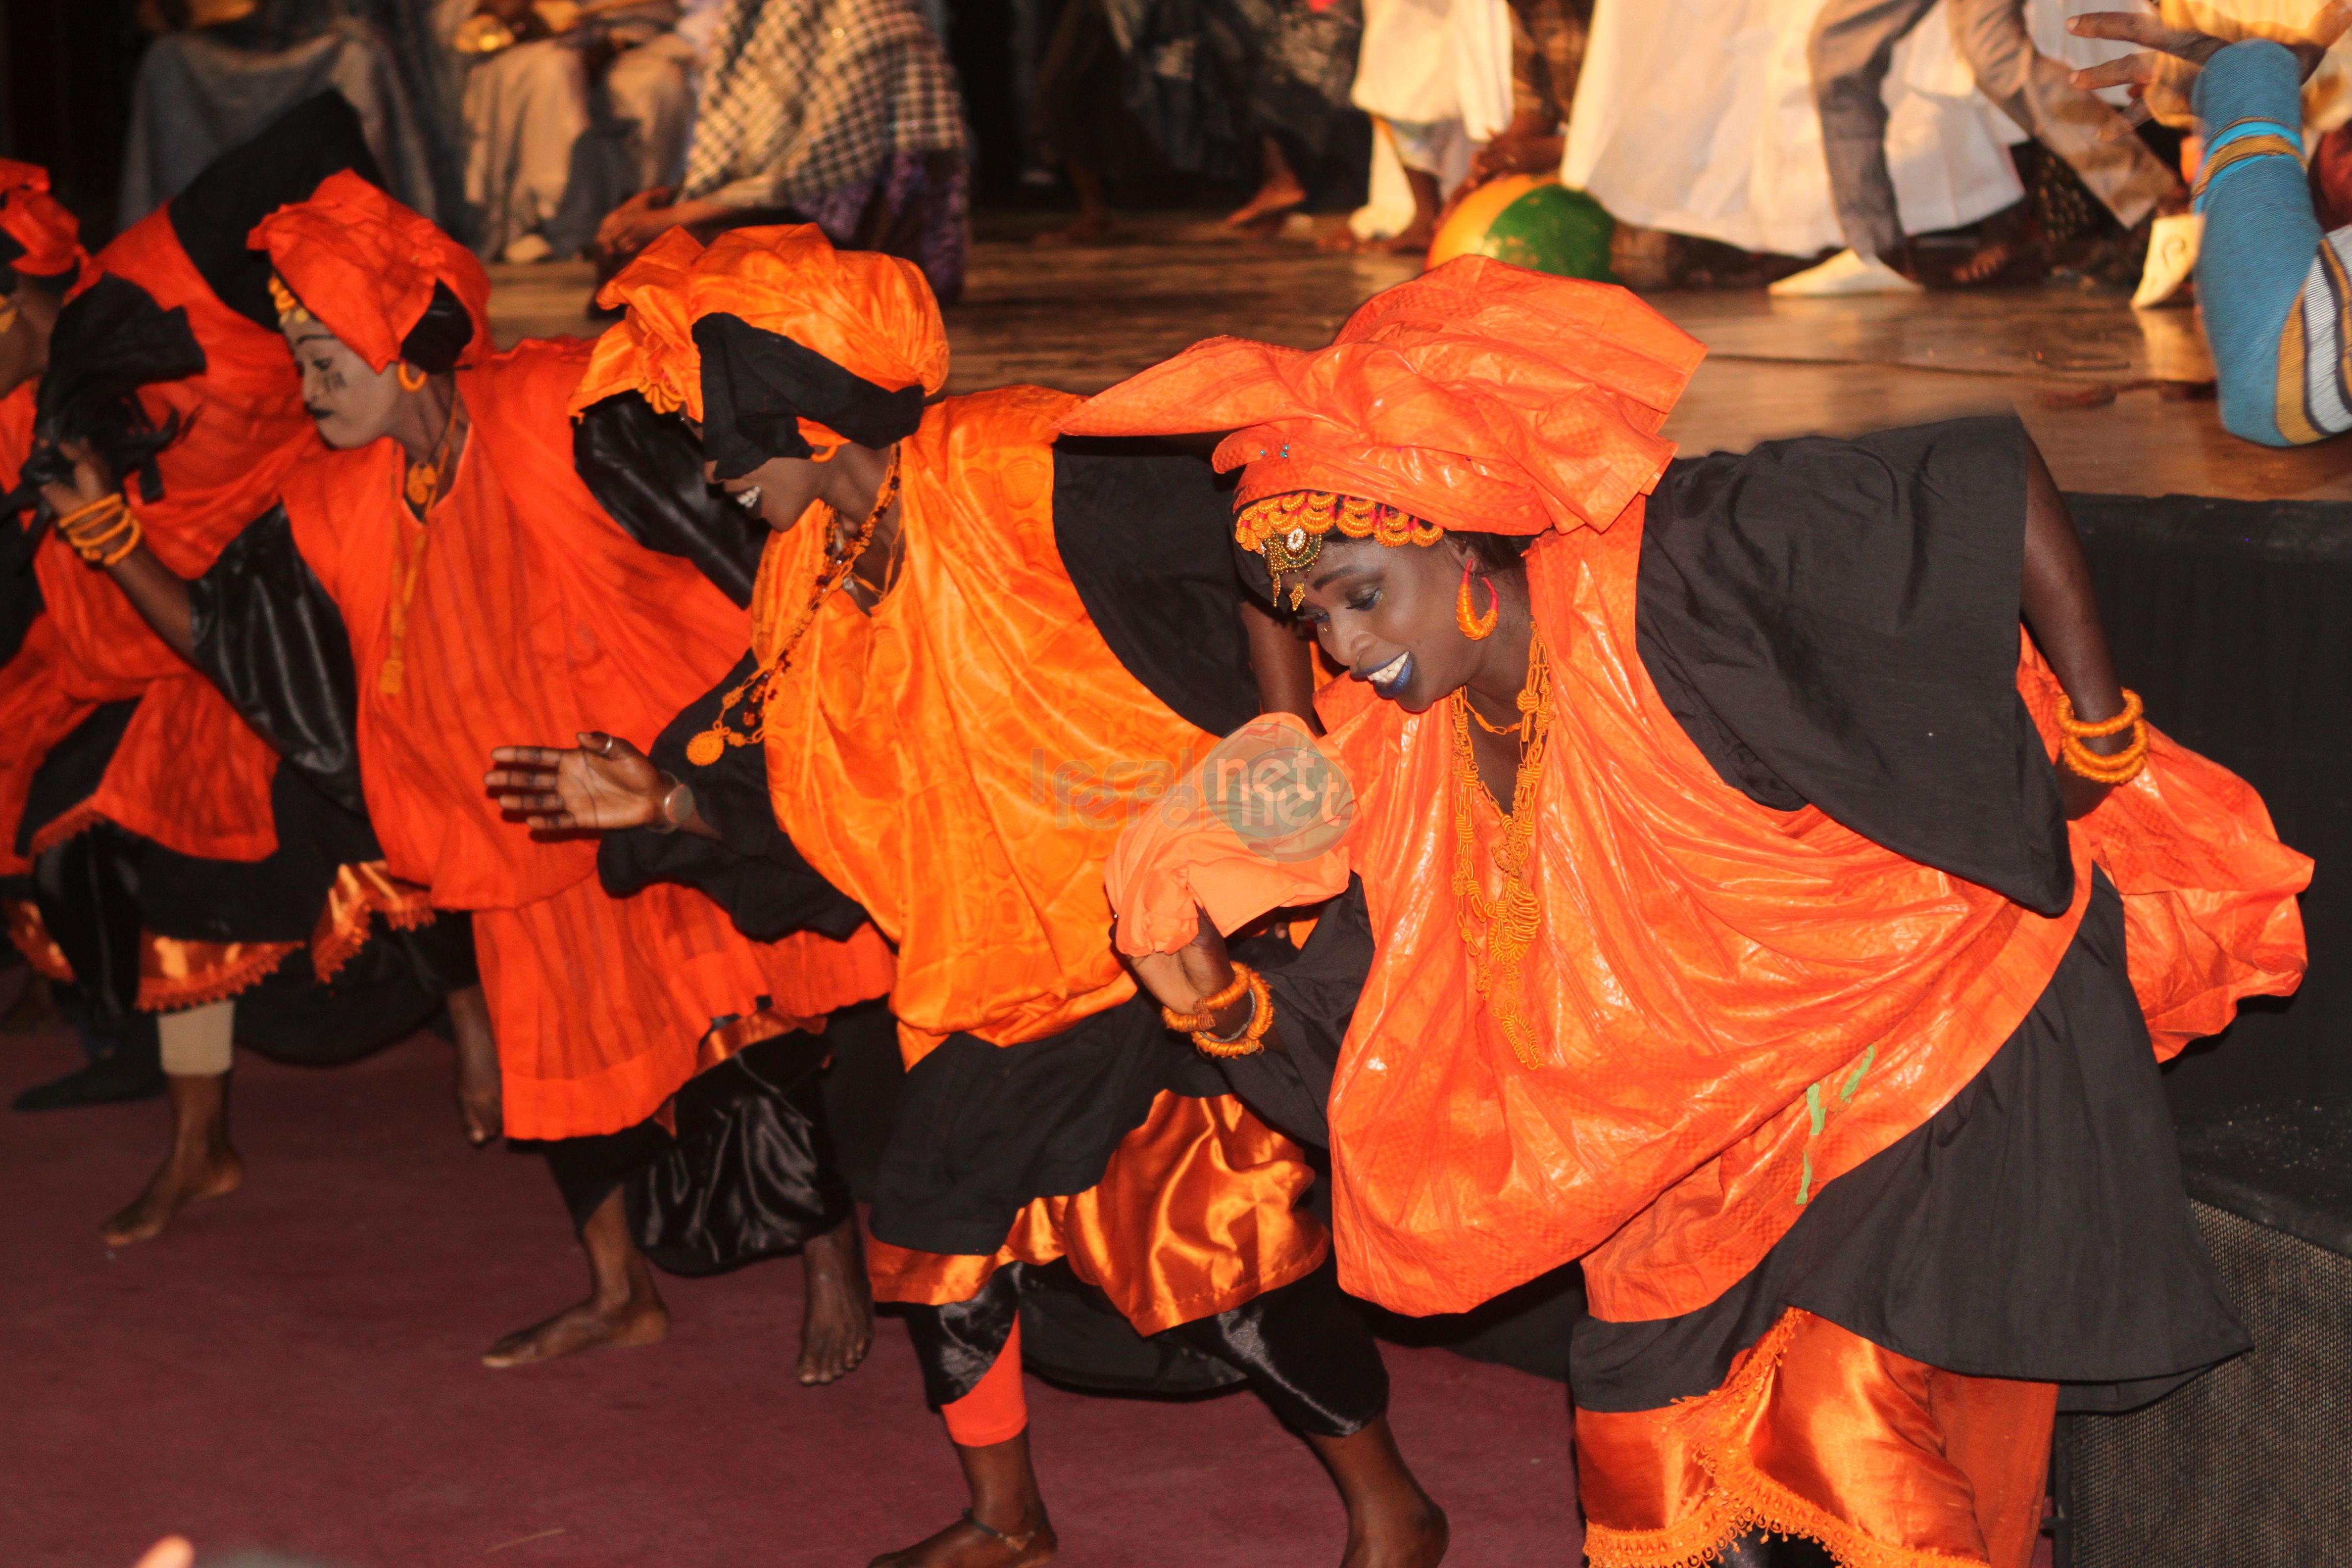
x: 1498, y: 935
x: 423, y: 488
x: 749, y: 726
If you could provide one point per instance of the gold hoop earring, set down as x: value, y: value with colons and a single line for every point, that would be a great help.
x: 406, y: 371
x: 1476, y: 627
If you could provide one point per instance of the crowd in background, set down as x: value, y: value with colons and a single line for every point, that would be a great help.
x: 1734, y: 142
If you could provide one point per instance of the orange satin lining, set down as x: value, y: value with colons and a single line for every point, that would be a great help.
x: 1886, y: 1461
x: 173, y: 974
x: 1194, y: 1215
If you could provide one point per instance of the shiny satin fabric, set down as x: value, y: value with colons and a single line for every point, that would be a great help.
x: 1479, y: 395
x: 1194, y: 1214
x: 535, y: 617
x: 189, y: 773
x: 961, y: 760
x: 1305, y: 1350
x: 1736, y: 1004
x: 1886, y: 1461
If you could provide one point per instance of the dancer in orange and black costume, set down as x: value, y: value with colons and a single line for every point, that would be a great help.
x: 176, y: 868
x: 445, y: 573
x: 1765, y: 894
x: 968, y: 668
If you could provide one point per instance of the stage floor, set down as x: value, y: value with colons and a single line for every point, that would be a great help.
x: 1082, y: 319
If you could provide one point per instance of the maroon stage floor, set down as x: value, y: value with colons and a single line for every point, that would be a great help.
x: 294, y: 1366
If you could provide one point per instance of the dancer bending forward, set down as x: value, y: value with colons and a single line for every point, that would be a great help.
x: 1731, y: 927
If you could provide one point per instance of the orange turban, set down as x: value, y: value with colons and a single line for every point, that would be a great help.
x: 47, y: 238
x: 366, y: 267
x: 871, y: 314
x: 1480, y: 396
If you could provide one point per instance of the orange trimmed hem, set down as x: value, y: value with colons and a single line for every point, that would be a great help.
x: 363, y: 891
x: 173, y: 974
x: 68, y: 823
x: 31, y: 936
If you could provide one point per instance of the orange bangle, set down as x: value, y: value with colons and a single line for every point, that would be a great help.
x: 2081, y: 729
x: 1251, y: 1038
x: 1189, y: 1022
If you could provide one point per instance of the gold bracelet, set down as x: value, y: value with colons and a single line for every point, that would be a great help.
x: 1252, y: 1039
x: 103, y: 531
x: 135, y: 536
x: 1206, y: 1018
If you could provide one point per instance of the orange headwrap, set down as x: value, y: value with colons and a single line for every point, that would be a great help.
x: 1480, y: 396
x: 366, y: 266
x: 48, y: 237
x: 871, y: 314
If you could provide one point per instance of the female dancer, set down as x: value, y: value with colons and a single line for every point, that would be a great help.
x: 176, y: 868
x: 963, y: 679
x: 449, y: 553
x: 1731, y: 929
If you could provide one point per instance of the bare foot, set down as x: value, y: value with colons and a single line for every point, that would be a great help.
x: 206, y: 1170
x: 837, y: 1321
x: 1273, y: 202
x: 968, y: 1544
x: 636, y: 1320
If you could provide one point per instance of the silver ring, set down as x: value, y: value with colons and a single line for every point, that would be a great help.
x: 608, y: 747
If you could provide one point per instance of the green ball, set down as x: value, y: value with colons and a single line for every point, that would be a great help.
x: 1552, y: 229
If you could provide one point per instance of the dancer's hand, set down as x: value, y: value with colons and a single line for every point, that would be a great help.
x: 1200, y: 968
x: 91, y: 482
x: 2170, y: 57
x: 602, y: 786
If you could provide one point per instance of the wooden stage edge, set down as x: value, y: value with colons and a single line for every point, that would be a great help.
x: 1082, y: 319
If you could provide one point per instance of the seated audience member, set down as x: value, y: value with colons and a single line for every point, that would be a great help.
x: 843, y: 113
x: 2269, y: 282
x: 562, y: 122
x: 220, y: 70
x: 1851, y: 51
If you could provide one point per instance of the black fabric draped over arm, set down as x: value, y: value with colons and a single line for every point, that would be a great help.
x: 1835, y: 623
x: 645, y: 471
x: 1145, y: 531
x: 270, y: 637
x: 752, y: 871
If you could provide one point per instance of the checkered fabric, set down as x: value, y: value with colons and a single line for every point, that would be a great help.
x: 803, y: 97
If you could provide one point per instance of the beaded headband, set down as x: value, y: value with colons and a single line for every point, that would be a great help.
x: 289, y: 309
x: 1288, y: 529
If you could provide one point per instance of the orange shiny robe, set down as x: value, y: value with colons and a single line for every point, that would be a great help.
x: 960, y: 761
x: 520, y: 612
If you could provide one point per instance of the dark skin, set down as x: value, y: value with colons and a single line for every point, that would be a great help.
x: 2154, y: 70
x: 353, y: 406
x: 25, y: 346
x: 1392, y: 1522
x: 1388, y: 611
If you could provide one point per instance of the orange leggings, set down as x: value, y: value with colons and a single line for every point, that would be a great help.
x: 1886, y: 1461
x: 997, y: 1409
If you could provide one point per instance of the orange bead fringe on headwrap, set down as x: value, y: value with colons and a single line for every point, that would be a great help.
x: 871, y: 314
x: 47, y: 237
x: 366, y: 266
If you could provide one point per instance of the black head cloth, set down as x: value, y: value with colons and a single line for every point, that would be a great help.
x: 109, y: 341
x: 758, y: 385
x: 280, y: 164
